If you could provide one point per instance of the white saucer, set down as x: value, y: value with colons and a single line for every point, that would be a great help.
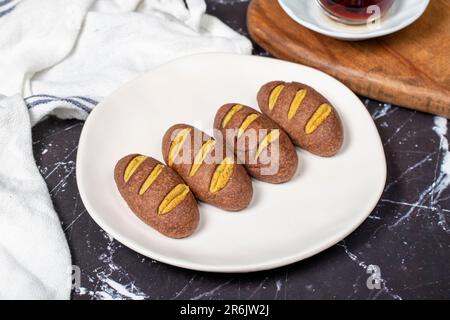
x: 310, y: 15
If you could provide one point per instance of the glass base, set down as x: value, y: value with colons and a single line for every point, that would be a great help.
x: 342, y: 19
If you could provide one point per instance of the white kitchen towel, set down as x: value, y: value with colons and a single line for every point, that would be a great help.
x: 34, y: 257
x: 59, y: 57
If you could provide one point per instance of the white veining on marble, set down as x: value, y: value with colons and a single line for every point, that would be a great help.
x: 430, y: 197
x: 278, y: 285
x: 443, y: 180
x: 258, y: 288
x: 125, y: 290
x: 399, y: 129
x: 412, y: 205
x: 364, y: 265
x: 286, y: 275
x: 107, y: 288
x: 210, y: 293
x: 385, y: 110
x: 63, y: 163
x: 68, y: 128
x: 64, y: 168
x: 75, y: 220
x: 186, y: 286
x: 411, y: 168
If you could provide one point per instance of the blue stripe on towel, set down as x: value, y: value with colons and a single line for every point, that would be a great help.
x: 38, y: 102
x: 79, y: 105
x: 42, y: 96
x: 45, y: 101
x: 5, y: 12
x: 5, y: 2
x: 86, y: 99
x: 48, y: 98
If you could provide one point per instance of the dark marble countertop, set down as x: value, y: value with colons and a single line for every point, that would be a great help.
x: 407, y: 235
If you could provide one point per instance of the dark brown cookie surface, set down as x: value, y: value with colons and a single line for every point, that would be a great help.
x: 307, y: 117
x: 261, y: 145
x: 157, y: 195
x: 211, y: 173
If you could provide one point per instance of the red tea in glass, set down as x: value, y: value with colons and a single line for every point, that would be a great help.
x: 355, y: 11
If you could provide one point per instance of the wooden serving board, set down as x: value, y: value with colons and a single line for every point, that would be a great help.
x: 410, y: 68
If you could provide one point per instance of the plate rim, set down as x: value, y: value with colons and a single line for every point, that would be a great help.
x: 270, y: 264
x: 342, y: 35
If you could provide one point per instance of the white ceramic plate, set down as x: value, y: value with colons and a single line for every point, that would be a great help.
x: 310, y: 15
x: 285, y: 223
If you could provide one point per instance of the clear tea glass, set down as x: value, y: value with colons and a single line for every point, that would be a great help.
x: 355, y: 11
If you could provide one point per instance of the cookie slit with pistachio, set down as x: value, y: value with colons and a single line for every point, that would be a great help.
x: 157, y: 195
x: 203, y: 163
x: 260, y: 144
x: 308, y: 118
